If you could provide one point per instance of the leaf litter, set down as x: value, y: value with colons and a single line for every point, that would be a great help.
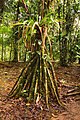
x: 19, y: 109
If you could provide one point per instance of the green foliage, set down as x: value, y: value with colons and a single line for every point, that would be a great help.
x: 5, y: 29
x: 66, y: 24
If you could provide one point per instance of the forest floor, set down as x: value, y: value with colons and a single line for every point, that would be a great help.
x: 18, y: 109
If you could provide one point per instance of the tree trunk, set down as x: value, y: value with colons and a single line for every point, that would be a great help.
x: 1, y: 9
x: 16, y: 36
x: 37, y: 79
x: 2, y: 57
x: 63, y: 43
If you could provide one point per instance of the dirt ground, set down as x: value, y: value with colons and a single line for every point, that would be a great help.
x: 18, y: 109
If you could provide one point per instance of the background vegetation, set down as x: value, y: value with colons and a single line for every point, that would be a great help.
x: 62, y: 18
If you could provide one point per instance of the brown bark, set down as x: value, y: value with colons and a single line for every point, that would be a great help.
x: 1, y: 9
